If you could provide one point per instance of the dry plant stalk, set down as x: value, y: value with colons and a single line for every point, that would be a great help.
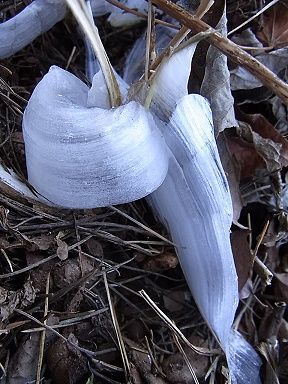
x: 226, y: 46
x: 80, y: 11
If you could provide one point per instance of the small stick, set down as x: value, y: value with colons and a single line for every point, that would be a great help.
x: 140, y: 14
x: 226, y: 46
x: 150, y: 39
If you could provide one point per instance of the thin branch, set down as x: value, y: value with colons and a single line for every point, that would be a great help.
x: 226, y: 46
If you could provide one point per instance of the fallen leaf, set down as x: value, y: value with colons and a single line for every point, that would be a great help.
x: 280, y: 111
x: 245, y: 156
x: 216, y: 84
x: 62, y: 250
x: 242, y: 255
x: 23, y: 364
x: 174, y: 301
x: 276, y: 61
x: 42, y: 242
x: 176, y: 369
x: 9, y: 300
x: 262, y: 126
x: 274, y: 31
x: 70, y: 271
x: 39, y: 275
x: 66, y: 364
x: 163, y: 262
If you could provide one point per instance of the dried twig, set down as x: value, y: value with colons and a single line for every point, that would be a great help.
x: 230, y: 49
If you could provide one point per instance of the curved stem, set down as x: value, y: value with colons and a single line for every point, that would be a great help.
x: 81, y: 13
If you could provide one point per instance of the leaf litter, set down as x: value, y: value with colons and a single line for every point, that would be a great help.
x: 74, y: 250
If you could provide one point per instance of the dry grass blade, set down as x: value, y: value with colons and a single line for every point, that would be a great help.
x: 150, y: 40
x: 117, y: 331
x: 43, y: 334
x: 273, y: 2
x: 174, y: 328
x: 185, y: 357
x: 141, y: 225
x: 81, y: 13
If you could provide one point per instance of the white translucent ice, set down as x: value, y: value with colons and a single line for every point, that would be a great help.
x: 194, y: 203
x: 135, y: 61
x: 84, y: 157
x: 37, y: 18
x: 41, y: 15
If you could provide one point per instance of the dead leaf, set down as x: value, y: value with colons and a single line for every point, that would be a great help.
x: 242, y: 255
x: 274, y: 32
x: 163, y: 262
x: 62, y: 250
x: 281, y: 286
x: 95, y: 248
x: 276, y: 61
x: 23, y: 364
x: 43, y: 242
x: 143, y: 364
x: 280, y: 111
x: 176, y: 369
x: 245, y: 156
x: 66, y: 364
x: 9, y: 300
x: 174, y: 301
x: 263, y: 127
x: 69, y: 271
x: 39, y: 275
x: 216, y: 84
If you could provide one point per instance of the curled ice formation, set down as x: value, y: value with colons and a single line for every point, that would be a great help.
x: 37, y: 18
x: 81, y: 156
x: 194, y: 203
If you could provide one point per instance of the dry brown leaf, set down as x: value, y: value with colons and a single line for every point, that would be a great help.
x: 42, y: 242
x: 242, y: 255
x: 22, y: 366
x: 70, y: 271
x: 216, y: 83
x: 163, y: 262
x: 62, y: 249
x: 66, y: 364
x: 176, y: 369
x: 274, y: 32
x: 265, y: 129
x: 245, y: 156
x: 9, y: 300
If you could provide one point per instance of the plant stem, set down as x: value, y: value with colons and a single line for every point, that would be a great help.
x: 81, y: 13
x: 226, y: 46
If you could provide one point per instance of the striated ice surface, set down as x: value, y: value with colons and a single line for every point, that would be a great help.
x: 194, y: 203
x: 135, y: 61
x: 37, y: 18
x: 84, y: 157
x: 171, y: 81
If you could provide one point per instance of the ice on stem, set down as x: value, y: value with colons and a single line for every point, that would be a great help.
x: 194, y: 203
x: 85, y: 157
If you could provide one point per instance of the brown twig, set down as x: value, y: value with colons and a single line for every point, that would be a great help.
x: 226, y: 46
